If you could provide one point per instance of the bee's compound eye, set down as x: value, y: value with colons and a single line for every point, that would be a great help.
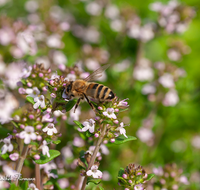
x: 111, y: 95
x: 69, y: 88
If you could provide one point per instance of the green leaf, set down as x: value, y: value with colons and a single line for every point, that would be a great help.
x: 122, y: 139
x: 70, y: 105
x: 92, y: 180
x: 122, y: 180
x: 56, y: 142
x: 149, y: 177
x: 44, y: 158
x: 13, y: 187
x: 30, y: 99
x: 79, y: 124
x: 5, y: 156
x: 121, y: 110
x: 107, y: 122
x: 101, y: 188
x: 15, y: 124
x: 121, y: 172
x: 23, y: 81
x: 24, y: 185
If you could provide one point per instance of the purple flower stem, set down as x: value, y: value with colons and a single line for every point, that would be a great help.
x: 96, y: 150
x: 37, y: 177
x: 20, y: 163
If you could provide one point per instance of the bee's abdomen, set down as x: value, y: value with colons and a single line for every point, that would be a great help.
x: 100, y: 92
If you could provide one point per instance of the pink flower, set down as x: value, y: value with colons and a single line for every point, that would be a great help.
x: 123, y: 103
x: 47, y: 118
x: 63, y: 183
x: 50, y: 129
x: 89, y: 125
x: 7, y: 147
x: 94, y: 172
x: 45, y: 148
x: 14, y: 156
x: 145, y: 134
x: 110, y: 113
x: 121, y: 129
x: 79, y: 142
x: 183, y: 179
x: 28, y: 134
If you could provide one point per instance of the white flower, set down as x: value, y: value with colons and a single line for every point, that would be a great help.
x: 138, y: 187
x: 121, y: 129
x: 39, y: 101
x: 148, y: 89
x: 59, y: 58
x: 50, y: 129
x: 145, y: 134
x: 143, y: 72
x: 104, y: 149
x: 45, y: 148
x: 93, y: 8
x: 31, y: 6
x: 112, y: 12
x: 171, y: 98
x: 89, y: 125
x: 32, y: 187
x: 94, y: 172
x: 110, y: 113
x: 166, y: 80
x: 26, y: 72
x: 26, y: 42
x: 7, y: 147
x: 54, y: 41
x: 33, y: 92
x: 28, y: 134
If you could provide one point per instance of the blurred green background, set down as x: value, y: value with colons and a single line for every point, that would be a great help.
x: 174, y: 127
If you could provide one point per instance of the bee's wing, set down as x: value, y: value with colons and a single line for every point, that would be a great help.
x: 97, y: 73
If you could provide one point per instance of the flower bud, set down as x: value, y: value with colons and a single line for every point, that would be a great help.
x: 40, y: 75
x: 36, y: 157
x: 112, y: 140
x: 124, y: 176
x: 39, y: 138
x: 39, y: 126
x: 29, y: 84
x: 96, y: 135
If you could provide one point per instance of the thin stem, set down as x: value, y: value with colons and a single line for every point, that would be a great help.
x: 37, y: 177
x: 92, y: 160
x: 21, y: 162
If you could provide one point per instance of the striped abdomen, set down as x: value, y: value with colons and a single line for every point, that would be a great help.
x: 99, y: 92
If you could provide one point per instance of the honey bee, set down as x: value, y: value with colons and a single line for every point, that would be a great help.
x: 83, y: 88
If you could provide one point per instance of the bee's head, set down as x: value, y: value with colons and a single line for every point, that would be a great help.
x: 67, y: 92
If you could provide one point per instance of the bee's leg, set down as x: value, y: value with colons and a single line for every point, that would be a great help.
x: 77, y: 103
x: 91, y: 105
